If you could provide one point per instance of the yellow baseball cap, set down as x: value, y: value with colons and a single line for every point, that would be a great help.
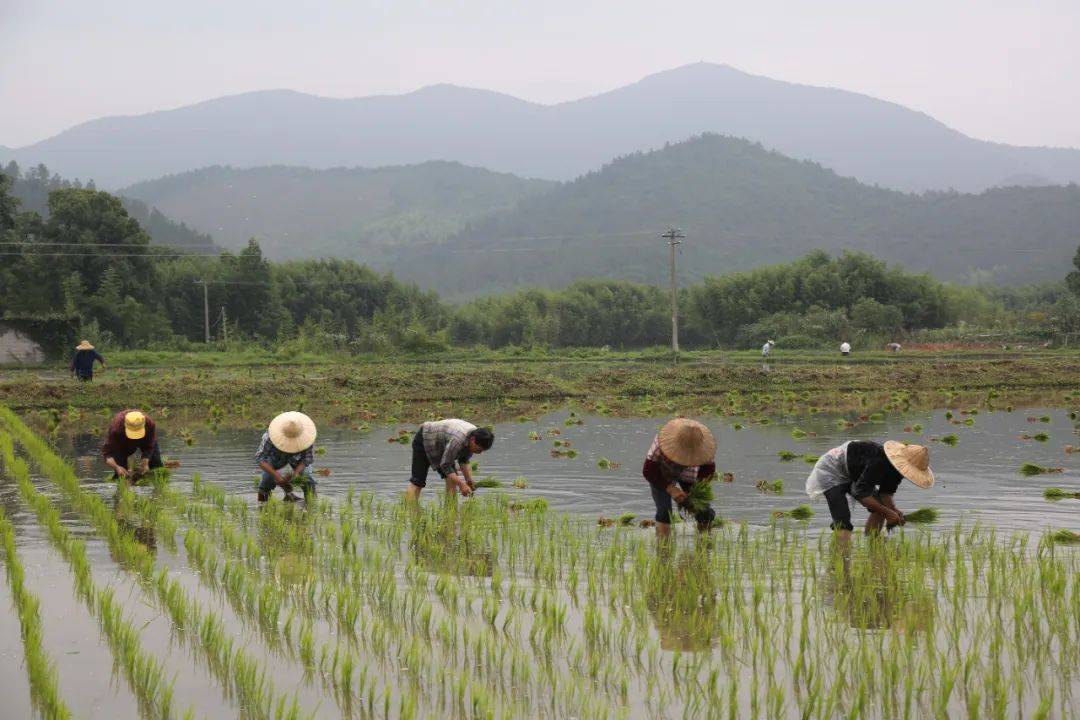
x: 135, y: 425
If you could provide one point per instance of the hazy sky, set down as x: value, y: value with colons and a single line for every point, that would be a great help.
x: 1005, y: 70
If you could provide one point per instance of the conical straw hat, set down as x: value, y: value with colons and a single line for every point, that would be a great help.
x: 84, y: 345
x: 687, y: 442
x: 292, y: 432
x: 913, y: 462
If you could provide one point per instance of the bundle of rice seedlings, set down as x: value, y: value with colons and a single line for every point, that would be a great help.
x: 521, y: 482
x: 1041, y: 437
x: 798, y: 434
x: 1059, y: 494
x: 802, y: 512
x: 1029, y: 469
x: 1067, y: 537
x: 923, y: 516
x: 787, y: 455
x: 603, y: 463
x: 626, y: 518
x: 775, y: 487
x: 811, y: 459
x: 950, y: 440
x: 698, y: 497
x: 488, y: 482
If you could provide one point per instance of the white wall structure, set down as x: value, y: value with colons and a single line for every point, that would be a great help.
x: 18, y: 348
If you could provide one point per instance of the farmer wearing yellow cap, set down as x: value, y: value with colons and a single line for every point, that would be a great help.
x: 871, y: 473
x: 130, y: 431
x: 681, y: 454
x: 287, y: 443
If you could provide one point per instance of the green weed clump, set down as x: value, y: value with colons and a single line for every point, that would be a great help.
x: 923, y: 516
x: 1059, y: 494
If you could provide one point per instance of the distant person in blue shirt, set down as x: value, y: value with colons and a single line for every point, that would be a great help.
x: 82, y: 362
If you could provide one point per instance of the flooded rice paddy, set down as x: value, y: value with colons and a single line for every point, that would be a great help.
x: 359, y: 607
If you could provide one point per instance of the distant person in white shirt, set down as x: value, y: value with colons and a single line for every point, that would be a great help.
x: 767, y: 348
x: 845, y: 348
x: 893, y: 347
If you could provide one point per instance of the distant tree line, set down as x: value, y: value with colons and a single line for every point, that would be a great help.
x: 88, y: 262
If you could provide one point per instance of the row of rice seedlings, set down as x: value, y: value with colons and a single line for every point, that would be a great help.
x: 40, y: 669
x: 445, y: 589
x: 241, y: 675
x: 142, y: 671
x: 263, y: 607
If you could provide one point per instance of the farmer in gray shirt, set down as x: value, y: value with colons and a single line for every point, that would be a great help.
x: 446, y: 445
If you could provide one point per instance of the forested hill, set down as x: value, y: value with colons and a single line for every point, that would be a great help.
x: 32, y: 188
x: 742, y: 206
x: 352, y: 213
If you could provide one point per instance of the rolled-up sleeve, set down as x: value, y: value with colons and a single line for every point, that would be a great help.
x: 263, y: 453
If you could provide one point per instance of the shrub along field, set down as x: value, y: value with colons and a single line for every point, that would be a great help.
x: 498, y: 607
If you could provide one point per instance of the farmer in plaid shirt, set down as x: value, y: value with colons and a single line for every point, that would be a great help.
x: 447, y: 445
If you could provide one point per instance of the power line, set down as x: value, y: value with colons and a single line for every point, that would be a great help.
x: 40, y: 243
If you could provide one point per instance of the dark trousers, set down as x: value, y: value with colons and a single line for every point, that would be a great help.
x: 155, y: 459
x: 420, y: 462
x: 839, y: 507
x: 663, y: 502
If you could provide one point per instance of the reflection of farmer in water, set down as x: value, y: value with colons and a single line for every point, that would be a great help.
x: 874, y: 590
x: 681, y: 596
x: 444, y: 541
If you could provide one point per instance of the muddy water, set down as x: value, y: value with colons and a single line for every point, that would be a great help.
x: 977, y: 479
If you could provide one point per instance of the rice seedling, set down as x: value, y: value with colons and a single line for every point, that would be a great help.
x: 798, y: 434
x: 698, y: 497
x: 786, y: 455
x: 1041, y: 437
x: 488, y: 482
x: 1059, y: 494
x: 1030, y: 469
x: 1044, y: 419
x: 323, y: 471
x: 521, y: 482
x: 800, y: 512
x: 40, y: 669
x: 811, y: 459
x: 774, y: 487
x: 321, y: 450
x: 737, y: 426
x: 535, y: 436
x: 922, y: 516
x: 604, y: 464
x: 626, y: 519
x: 950, y: 440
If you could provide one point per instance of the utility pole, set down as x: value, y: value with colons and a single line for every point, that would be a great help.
x: 206, y: 310
x: 674, y: 237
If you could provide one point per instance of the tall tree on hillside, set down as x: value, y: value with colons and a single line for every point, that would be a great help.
x: 1073, y: 278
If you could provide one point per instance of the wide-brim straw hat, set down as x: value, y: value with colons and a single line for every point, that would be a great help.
x: 292, y: 432
x: 913, y: 462
x: 687, y: 442
x: 84, y: 345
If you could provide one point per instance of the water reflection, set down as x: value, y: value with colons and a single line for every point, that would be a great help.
x: 443, y: 540
x: 880, y: 587
x: 142, y: 530
x: 681, y: 595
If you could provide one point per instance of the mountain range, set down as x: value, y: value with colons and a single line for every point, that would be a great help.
x: 875, y: 141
